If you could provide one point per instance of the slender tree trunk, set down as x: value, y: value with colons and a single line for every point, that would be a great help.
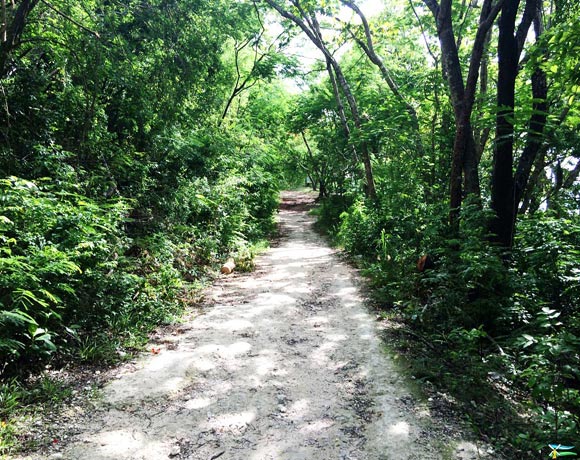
x: 369, y: 49
x: 316, y: 176
x: 503, y: 186
x: 481, y: 137
x: 529, y: 202
x: 464, y: 177
x: 535, y: 135
x: 561, y: 183
x: 537, y: 122
x: 339, y: 104
x: 558, y: 181
x: 362, y: 147
x: 322, y: 193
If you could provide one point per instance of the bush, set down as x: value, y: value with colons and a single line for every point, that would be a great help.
x: 329, y: 213
x: 546, y: 321
x: 56, y: 247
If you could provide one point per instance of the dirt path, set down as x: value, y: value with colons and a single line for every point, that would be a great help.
x: 284, y: 363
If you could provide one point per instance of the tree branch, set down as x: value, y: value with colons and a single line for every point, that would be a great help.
x: 433, y: 6
x: 530, y: 11
x: 429, y: 50
x: 71, y: 20
x: 369, y: 49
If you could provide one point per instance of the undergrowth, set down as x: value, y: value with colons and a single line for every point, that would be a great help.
x: 22, y: 401
x: 499, y: 335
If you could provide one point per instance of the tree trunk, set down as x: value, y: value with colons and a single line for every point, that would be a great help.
x: 537, y: 122
x: 339, y: 104
x: 370, y: 190
x: 12, y: 32
x: 503, y: 186
x: 322, y: 191
x: 464, y: 177
x: 529, y: 202
x: 318, y: 175
x: 481, y: 137
x: 369, y: 50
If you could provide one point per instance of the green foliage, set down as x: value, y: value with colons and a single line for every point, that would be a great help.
x: 11, y: 395
x: 470, y: 286
x: 487, y: 324
x: 21, y: 400
x: 124, y: 187
x: 8, y: 438
x: 130, y: 192
x: 330, y: 212
x: 53, y: 243
x: 464, y: 364
x: 547, y: 256
x: 546, y: 317
x: 548, y: 364
x: 470, y: 283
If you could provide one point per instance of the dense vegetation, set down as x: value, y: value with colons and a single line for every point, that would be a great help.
x: 142, y: 142
x: 124, y: 181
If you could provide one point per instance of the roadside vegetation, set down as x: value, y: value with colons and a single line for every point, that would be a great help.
x: 142, y: 143
x: 468, y: 227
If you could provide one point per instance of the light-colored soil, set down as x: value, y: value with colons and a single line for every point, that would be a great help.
x: 284, y: 363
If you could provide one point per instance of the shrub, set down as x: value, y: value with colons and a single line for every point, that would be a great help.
x: 56, y: 247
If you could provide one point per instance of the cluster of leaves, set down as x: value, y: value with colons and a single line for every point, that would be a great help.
x: 546, y: 341
x: 57, y: 248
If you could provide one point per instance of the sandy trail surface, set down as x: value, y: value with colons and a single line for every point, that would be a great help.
x: 283, y: 363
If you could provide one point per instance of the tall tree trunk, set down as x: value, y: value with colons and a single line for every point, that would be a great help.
x: 503, y: 189
x: 502, y: 184
x: 464, y: 178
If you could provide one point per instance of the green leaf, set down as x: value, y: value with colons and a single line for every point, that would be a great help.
x: 17, y: 317
x: 529, y: 340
